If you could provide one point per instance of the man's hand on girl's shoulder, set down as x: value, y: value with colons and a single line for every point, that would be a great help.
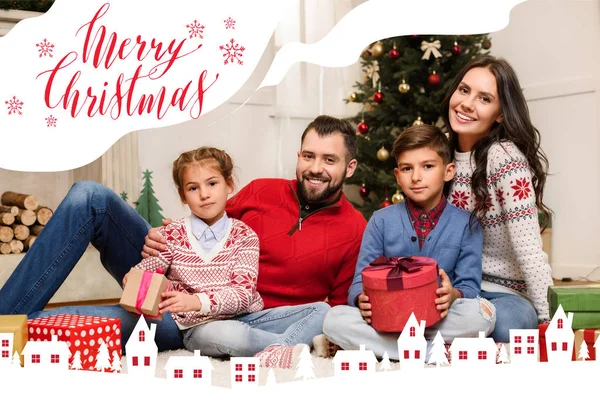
x: 154, y: 242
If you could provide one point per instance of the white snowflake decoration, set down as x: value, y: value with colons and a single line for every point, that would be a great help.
x: 51, y: 121
x: 195, y: 30
x: 229, y: 23
x: 45, y: 48
x: 14, y: 106
x: 233, y: 52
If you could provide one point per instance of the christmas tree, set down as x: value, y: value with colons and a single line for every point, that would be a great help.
x: 438, y: 353
x: 305, y: 368
x: 584, y: 354
x: 406, y: 79
x: 503, y: 355
x: 385, y: 364
x: 76, y: 364
x: 16, y: 360
x: 103, y: 357
x: 147, y: 204
x: 116, y: 362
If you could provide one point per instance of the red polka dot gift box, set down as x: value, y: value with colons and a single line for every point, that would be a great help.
x: 92, y: 340
x: 399, y: 286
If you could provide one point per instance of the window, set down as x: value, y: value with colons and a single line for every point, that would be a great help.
x: 345, y: 366
x: 406, y: 354
x: 251, y: 367
x: 197, y: 373
x: 530, y: 339
x: 517, y: 350
x: 417, y: 354
x: 565, y: 347
x: 560, y: 323
x: 553, y: 346
x: 530, y: 350
x: 177, y: 373
x: 4, y: 342
x: 412, y: 331
x: 5, y: 354
x: 462, y: 355
x: 238, y: 367
x: 482, y: 355
x: 238, y: 378
x: 35, y: 358
x: 142, y: 336
x: 54, y: 359
x: 517, y: 339
x: 251, y: 378
x: 134, y: 361
x: 146, y: 361
x: 362, y: 366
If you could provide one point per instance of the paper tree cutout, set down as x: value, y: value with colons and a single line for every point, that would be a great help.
x: 438, y: 353
x: 270, y: 378
x: 147, y: 204
x: 584, y: 354
x: 116, y: 362
x: 385, y: 364
x: 76, y: 364
x: 103, y: 358
x: 305, y: 368
x: 503, y: 355
x: 16, y: 360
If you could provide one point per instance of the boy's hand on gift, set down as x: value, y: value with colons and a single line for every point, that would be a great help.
x: 365, y: 307
x: 154, y: 242
x: 177, y: 302
x: 446, y: 294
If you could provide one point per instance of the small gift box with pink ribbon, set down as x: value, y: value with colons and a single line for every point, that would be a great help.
x: 399, y: 286
x: 142, y: 293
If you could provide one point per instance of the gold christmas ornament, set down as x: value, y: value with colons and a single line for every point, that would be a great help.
x: 383, y: 154
x: 377, y: 49
x: 352, y: 97
x: 418, y: 121
x: 397, y: 197
x: 403, y: 87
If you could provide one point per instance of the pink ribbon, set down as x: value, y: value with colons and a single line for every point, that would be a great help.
x: 143, y: 289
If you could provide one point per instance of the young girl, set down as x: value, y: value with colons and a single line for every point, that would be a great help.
x: 500, y: 176
x: 211, y: 260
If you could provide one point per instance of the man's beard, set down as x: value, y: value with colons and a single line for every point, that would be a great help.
x: 319, y: 197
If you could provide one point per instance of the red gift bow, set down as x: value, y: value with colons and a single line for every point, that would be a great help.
x: 398, y: 266
x: 143, y: 290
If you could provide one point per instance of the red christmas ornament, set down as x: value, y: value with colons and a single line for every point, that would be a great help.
x: 486, y: 44
x: 434, y: 79
x: 363, y: 127
x: 385, y: 203
x: 367, y: 53
x: 456, y: 49
x: 364, y: 191
x: 378, y: 97
x: 394, y: 53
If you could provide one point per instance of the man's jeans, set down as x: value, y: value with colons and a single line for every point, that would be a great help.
x: 92, y: 213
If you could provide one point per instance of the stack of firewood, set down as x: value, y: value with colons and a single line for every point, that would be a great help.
x: 21, y: 221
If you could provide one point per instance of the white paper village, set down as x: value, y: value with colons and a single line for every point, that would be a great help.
x: 142, y: 353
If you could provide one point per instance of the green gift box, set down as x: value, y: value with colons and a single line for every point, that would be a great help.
x: 582, y: 300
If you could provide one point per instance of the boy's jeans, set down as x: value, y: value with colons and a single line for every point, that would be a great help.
x: 345, y: 327
x: 92, y: 213
x: 512, y: 312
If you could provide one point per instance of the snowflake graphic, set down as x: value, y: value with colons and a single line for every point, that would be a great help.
x: 488, y: 203
x: 521, y: 188
x: 51, y: 121
x: 45, y: 48
x: 460, y: 199
x: 229, y: 23
x: 195, y: 29
x: 14, y: 106
x: 500, y: 196
x: 233, y: 52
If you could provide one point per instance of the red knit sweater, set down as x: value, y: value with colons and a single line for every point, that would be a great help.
x: 299, y: 263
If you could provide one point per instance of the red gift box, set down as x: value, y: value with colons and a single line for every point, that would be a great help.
x: 589, y: 336
x: 399, y: 286
x: 83, y: 333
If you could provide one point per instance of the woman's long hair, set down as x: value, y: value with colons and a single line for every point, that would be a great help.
x: 516, y: 127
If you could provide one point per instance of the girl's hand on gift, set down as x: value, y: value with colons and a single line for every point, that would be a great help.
x: 446, y: 294
x: 365, y: 307
x: 125, y: 278
x: 177, y: 302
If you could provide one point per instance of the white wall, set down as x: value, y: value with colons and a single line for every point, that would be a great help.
x: 554, y: 47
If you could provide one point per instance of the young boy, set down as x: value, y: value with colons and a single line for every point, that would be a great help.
x: 424, y: 225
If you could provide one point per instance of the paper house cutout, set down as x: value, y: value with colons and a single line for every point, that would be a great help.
x: 354, y: 362
x: 141, y: 350
x: 524, y: 345
x: 412, y: 346
x: 560, y: 337
x: 47, y: 356
x: 473, y: 352
x: 597, y: 347
x: 194, y: 368
x: 6, y: 349
x: 244, y: 372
